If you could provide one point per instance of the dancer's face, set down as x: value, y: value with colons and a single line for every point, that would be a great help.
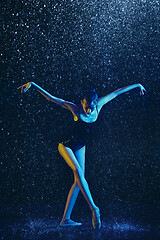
x: 88, y: 107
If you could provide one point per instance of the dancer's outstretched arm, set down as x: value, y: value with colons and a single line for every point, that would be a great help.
x: 102, y: 101
x: 65, y: 104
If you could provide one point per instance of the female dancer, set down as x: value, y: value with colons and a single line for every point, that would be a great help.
x: 72, y: 149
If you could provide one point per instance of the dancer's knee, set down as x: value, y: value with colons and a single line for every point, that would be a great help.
x: 78, y: 173
x: 75, y: 184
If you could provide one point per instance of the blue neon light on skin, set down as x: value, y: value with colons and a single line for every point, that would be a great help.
x: 88, y: 113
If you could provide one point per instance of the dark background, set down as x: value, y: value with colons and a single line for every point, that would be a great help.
x: 61, y: 46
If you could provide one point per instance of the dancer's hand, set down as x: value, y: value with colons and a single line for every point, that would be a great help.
x: 25, y: 87
x: 142, y: 89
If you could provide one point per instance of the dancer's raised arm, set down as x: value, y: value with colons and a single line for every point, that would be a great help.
x: 65, y: 104
x: 103, y: 100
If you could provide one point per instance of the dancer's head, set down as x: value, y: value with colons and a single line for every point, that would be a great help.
x: 89, y: 100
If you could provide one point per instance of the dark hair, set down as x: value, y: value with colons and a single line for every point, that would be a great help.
x: 90, y: 95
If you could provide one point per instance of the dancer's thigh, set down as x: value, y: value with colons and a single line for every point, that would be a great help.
x: 80, y: 156
x: 69, y: 157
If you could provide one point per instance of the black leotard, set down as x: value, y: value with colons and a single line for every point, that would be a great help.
x: 76, y: 135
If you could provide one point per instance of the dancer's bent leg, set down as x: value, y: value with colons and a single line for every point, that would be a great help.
x: 73, y: 193
x: 71, y: 160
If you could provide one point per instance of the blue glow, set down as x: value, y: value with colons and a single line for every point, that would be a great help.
x: 129, y: 227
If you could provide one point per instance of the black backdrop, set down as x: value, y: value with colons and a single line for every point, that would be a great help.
x: 62, y: 45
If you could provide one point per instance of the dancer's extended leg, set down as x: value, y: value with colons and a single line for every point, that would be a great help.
x: 73, y: 193
x: 71, y: 160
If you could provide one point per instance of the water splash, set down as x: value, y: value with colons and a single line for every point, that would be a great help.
x: 129, y: 227
x: 35, y: 228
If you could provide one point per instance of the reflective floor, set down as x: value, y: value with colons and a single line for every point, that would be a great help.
x: 47, y: 228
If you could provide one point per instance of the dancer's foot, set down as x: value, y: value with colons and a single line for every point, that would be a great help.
x: 69, y: 222
x: 96, y: 222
